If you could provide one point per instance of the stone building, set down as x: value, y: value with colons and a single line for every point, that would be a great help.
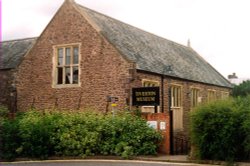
x: 83, y: 56
x: 12, y: 52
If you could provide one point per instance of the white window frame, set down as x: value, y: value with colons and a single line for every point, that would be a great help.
x: 177, y: 106
x: 71, y: 66
x: 211, y: 95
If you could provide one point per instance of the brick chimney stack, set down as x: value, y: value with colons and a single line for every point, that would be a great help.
x: 232, y: 76
x: 71, y: 1
x: 189, y: 43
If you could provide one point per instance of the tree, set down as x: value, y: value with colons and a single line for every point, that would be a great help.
x: 242, y: 90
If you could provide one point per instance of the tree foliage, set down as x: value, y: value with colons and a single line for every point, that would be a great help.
x: 242, y: 90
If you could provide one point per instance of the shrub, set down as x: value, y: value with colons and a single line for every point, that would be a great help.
x: 3, y: 112
x: 220, y: 130
x: 244, y: 118
x: 245, y: 128
x: 77, y: 134
x: 130, y: 135
x: 9, y: 139
x: 43, y: 134
x: 35, y: 129
x: 212, y: 126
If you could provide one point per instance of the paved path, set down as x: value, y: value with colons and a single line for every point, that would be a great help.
x: 97, y: 163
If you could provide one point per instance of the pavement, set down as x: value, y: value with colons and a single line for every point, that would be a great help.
x: 186, y: 159
x: 166, y: 158
x: 158, y: 158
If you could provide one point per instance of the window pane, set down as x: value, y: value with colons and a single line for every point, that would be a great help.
x: 59, y: 75
x: 195, y: 95
x: 67, y: 75
x: 60, y: 56
x: 67, y: 65
x: 176, y: 96
x: 179, y: 104
x: 75, y: 75
x: 67, y: 60
x: 76, y: 56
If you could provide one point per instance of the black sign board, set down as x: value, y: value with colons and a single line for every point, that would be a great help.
x: 146, y: 96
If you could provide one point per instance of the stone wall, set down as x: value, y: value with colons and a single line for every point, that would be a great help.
x: 186, y: 87
x: 104, y: 72
x: 7, y: 81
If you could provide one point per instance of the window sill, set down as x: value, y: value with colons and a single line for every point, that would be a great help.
x: 67, y: 86
x: 176, y: 107
x: 149, y: 106
x: 179, y: 130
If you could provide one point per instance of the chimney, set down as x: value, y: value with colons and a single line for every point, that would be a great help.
x: 189, y: 43
x: 71, y: 1
x: 232, y: 76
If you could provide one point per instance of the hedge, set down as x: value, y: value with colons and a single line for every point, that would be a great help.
x: 221, y: 130
x: 72, y: 133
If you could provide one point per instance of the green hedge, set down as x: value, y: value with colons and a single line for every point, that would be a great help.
x: 53, y: 133
x: 221, y: 130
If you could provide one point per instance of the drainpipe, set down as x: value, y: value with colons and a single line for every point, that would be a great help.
x: 170, y: 112
x: 162, y: 93
x: 169, y: 70
x: 13, y: 100
x: 170, y: 121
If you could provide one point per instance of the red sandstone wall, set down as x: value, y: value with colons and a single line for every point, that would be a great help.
x: 186, y: 91
x: 103, y: 71
x: 161, y: 118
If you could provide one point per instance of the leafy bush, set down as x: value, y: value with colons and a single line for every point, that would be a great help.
x: 246, y: 130
x: 77, y: 134
x: 9, y: 139
x: 130, y: 135
x: 48, y: 133
x: 243, y: 104
x: 34, y: 132
x: 3, y: 112
x: 220, y: 130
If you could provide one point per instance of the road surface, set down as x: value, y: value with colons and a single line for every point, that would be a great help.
x: 97, y: 163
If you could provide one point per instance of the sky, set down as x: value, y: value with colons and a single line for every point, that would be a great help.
x: 218, y: 30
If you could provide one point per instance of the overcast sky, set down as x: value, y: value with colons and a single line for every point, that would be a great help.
x: 219, y: 30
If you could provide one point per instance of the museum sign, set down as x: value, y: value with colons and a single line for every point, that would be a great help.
x: 146, y: 96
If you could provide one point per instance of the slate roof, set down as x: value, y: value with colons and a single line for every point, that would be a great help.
x: 153, y: 53
x: 13, y: 51
x: 150, y: 52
